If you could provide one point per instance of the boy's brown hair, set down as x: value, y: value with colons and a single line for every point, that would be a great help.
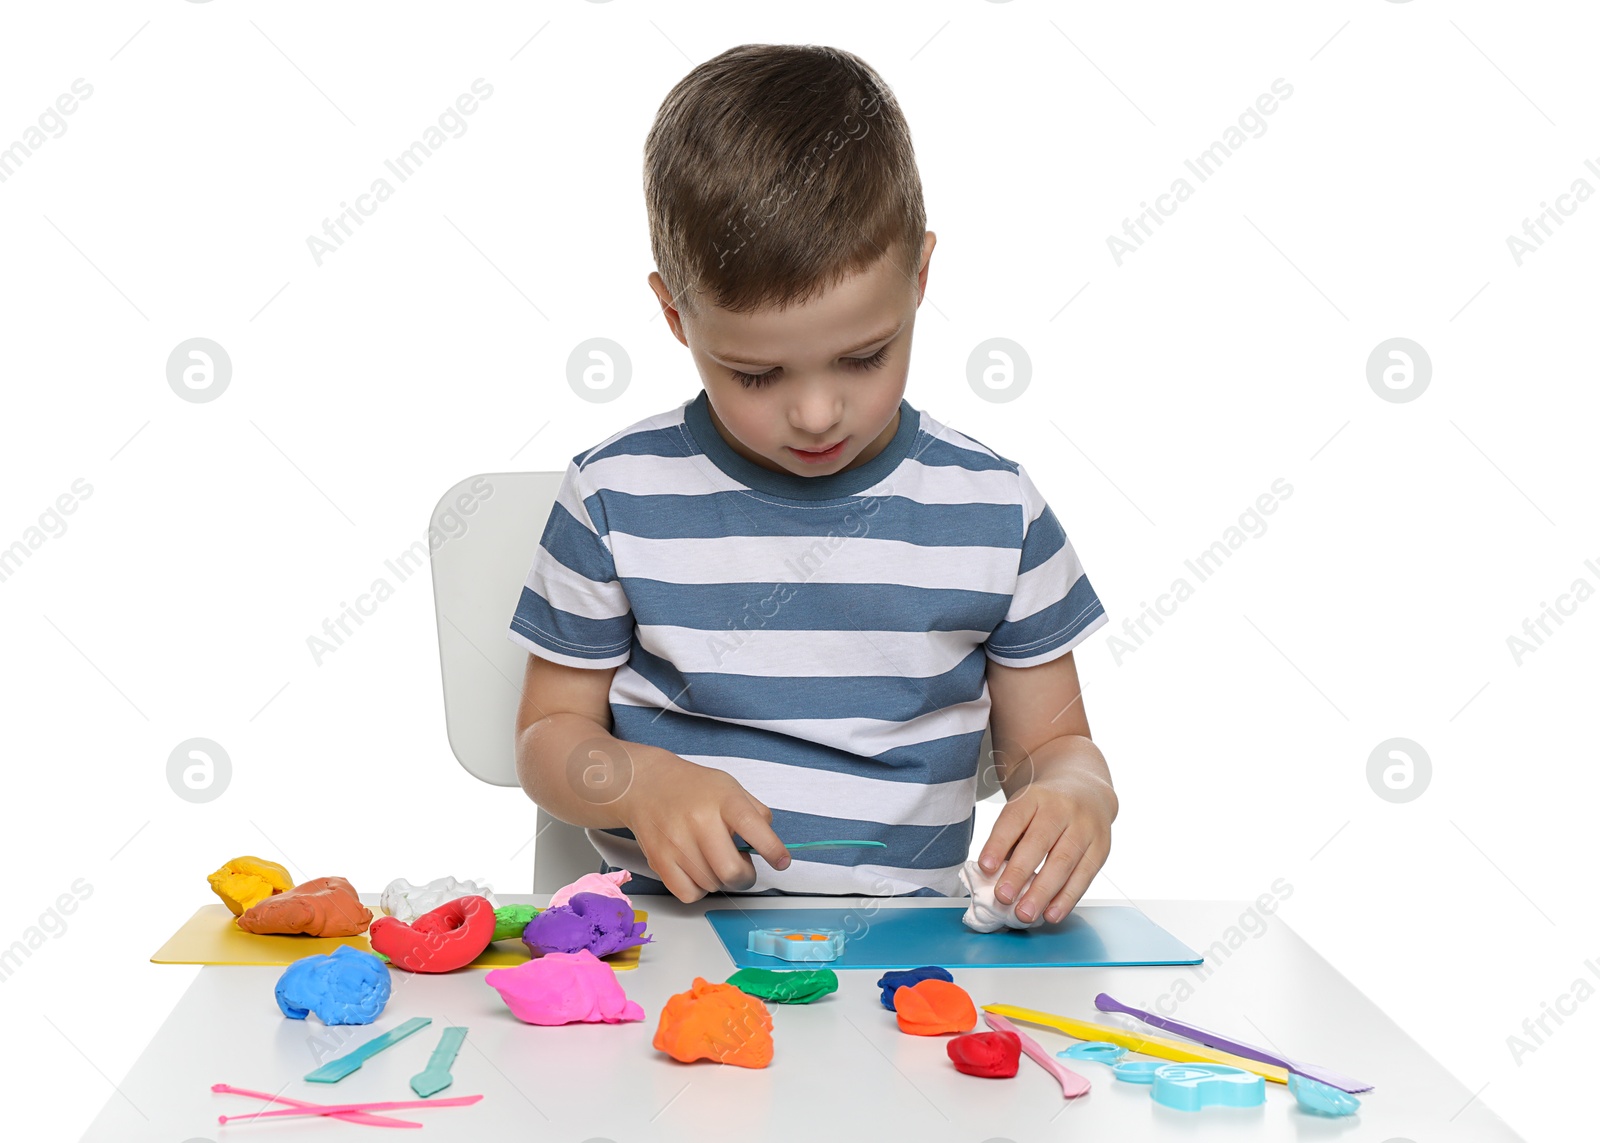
x: 773, y: 171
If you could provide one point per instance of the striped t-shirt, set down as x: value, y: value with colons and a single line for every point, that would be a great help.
x: 822, y: 639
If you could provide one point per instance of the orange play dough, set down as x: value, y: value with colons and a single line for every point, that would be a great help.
x: 933, y: 1007
x: 715, y: 1022
x: 323, y: 907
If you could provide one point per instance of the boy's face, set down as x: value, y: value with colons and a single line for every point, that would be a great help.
x: 826, y: 375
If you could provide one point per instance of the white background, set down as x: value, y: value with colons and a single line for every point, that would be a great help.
x: 1164, y: 399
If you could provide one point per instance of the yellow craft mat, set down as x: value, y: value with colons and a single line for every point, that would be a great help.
x: 211, y: 937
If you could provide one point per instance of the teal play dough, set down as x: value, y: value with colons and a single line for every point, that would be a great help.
x: 346, y: 986
x: 796, y: 986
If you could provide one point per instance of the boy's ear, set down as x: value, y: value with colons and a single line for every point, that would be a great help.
x: 668, y: 310
x: 928, y: 241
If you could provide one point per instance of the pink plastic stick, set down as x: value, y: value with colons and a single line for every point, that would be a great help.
x: 348, y: 1117
x: 335, y: 1109
x: 1072, y: 1084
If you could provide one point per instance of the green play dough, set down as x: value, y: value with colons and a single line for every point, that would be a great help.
x: 510, y: 920
x: 795, y: 986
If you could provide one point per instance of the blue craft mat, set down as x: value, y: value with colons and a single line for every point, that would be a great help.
x: 1092, y: 936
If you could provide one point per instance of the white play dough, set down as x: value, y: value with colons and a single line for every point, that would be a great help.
x: 407, y: 902
x: 986, y: 914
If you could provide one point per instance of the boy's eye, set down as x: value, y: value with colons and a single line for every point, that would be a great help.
x: 758, y: 380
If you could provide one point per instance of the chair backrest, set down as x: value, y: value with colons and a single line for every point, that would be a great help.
x: 479, y: 568
x: 480, y: 560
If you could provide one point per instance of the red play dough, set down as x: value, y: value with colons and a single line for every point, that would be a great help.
x: 990, y: 1054
x: 933, y: 1007
x: 447, y: 938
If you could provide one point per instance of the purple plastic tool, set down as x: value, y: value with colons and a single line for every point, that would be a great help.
x: 1108, y: 1003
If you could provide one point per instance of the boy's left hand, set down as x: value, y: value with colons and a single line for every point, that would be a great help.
x: 1063, y: 819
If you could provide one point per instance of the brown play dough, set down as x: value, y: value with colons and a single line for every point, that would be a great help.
x: 322, y: 907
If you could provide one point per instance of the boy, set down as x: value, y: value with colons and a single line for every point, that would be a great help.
x: 789, y: 607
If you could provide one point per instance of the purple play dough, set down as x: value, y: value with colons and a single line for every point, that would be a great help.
x: 592, y: 921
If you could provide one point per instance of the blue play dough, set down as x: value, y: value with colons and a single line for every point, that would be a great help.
x: 347, y: 986
x: 905, y: 978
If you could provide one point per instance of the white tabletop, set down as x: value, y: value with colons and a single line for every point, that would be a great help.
x: 841, y: 1069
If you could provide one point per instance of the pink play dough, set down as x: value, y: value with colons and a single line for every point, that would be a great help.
x: 564, y: 988
x: 606, y: 884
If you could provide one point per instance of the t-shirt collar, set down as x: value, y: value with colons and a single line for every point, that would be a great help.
x: 829, y: 486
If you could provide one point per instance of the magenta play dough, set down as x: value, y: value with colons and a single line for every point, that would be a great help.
x: 564, y: 988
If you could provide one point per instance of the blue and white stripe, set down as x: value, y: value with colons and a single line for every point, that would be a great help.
x: 821, y: 639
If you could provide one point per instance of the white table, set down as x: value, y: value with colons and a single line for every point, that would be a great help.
x: 841, y: 1071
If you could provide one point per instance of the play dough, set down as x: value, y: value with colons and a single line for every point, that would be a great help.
x: 564, y: 988
x: 891, y: 981
x: 245, y: 881
x: 993, y: 1055
x: 346, y: 986
x: 322, y: 907
x: 986, y: 914
x: 715, y: 1022
x: 407, y: 902
x: 592, y: 921
x: 440, y: 940
x: 793, y: 987
x: 606, y: 884
x: 510, y: 920
x: 934, y: 1007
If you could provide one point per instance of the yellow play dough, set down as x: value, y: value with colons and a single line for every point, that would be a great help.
x: 247, y: 881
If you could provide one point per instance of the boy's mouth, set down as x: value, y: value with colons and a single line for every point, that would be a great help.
x: 821, y: 457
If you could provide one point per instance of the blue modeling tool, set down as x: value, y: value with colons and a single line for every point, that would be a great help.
x: 335, y: 1070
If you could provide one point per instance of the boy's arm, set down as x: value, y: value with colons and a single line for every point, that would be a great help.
x: 682, y: 814
x: 562, y: 707
x: 1059, y: 799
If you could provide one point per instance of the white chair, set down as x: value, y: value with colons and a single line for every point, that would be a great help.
x: 478, y: 572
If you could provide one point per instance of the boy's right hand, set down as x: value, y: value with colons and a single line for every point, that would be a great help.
x: 684, y: 815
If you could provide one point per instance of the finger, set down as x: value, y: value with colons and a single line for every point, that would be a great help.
x: 1025, y: 858
x: 754, y: 824
x: 1008, y: 827
x: 1052, y: 876
x: 690, y: 863
x: 1078, y: 884
x: 732, y: 869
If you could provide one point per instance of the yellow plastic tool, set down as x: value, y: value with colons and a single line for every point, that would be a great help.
x: 1158, y: 1046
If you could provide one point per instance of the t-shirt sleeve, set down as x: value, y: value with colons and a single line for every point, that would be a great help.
x: 573, y: 609
x: 1053, y: 607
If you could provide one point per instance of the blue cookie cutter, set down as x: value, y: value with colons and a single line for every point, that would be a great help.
x: 1320, y: 1098
x: 797, y: 944
x: 1190, y: 1087
x: 1136, y: 1071
x: 1100, y: 1051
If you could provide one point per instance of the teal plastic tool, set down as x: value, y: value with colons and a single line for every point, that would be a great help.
x: 821, y: 845
x: 434, y: 1078
x: 1190, y: 1087
x: 335, y: 1070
